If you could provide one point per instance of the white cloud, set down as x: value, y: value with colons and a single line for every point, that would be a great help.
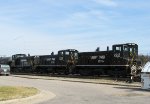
x: 106, y: 2
x: 91, y: 19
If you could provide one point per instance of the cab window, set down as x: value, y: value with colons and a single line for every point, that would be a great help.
x: 76, y: 54
x: 118, y: 48
x: 125, y: 48
x: 66, y: 53
x: 131, y: 50
x: 61, y: 53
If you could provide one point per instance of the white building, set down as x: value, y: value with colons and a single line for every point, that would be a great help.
x: 145, y: 76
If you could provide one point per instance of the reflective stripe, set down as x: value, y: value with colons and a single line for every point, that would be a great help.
x: 50, y: 65
x: 84, y: 65
x: 102, y: 65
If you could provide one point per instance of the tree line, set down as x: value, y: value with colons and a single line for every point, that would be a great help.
x: 144, y: 59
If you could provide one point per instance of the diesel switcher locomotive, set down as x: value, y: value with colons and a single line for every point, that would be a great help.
x: 122, y: 60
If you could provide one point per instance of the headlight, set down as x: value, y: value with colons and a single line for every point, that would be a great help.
x: 5, y: 70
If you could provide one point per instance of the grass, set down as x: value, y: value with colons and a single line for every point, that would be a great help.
x: 10, y: 92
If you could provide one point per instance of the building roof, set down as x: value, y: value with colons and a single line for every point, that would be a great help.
x: 146, y: 68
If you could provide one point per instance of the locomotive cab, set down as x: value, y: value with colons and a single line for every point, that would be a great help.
x: 128, y: 55
x: 20, y: 62
x: 69, y: 59
x: 69, y: 56
x: 133, y: 51
x: 126, y: 51
x: 18, y: 59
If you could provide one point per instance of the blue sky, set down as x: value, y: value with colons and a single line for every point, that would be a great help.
x: 42, y: 26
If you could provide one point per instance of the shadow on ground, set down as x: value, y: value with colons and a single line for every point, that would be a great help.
x: 132, y: 89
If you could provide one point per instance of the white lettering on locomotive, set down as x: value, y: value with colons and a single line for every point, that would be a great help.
x: 53, y: 59
x: 60, y: 58
x: 117, y: 55
x: 48, y: 59
x: 93, y: 57
x: 102, y: 57
x: 101, y: 61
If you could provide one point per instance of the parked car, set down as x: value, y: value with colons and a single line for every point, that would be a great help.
x: 4, y: 69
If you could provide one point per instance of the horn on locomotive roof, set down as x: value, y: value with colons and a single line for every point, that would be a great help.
x: 107, y: 48
x: 97, y: 49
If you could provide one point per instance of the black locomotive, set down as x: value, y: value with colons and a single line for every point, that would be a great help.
x: 122, y: 60
x: 21, y: 63
x: 54, y: 63
x: 59, y: 63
